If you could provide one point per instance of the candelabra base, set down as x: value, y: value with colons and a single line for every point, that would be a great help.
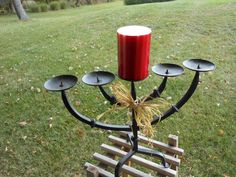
x: 121, y: 147
x: 133, y: 140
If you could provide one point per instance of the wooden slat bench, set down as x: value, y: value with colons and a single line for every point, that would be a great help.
x: 138, y: 165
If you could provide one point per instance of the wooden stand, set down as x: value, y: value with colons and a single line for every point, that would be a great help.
x: 139, y: 165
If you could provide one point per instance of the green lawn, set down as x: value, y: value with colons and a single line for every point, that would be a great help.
x: 40, y: 138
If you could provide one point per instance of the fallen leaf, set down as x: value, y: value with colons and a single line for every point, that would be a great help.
x: 76, y: 176
x: 169, y: 98
x: 23, y: 123
x: 77, y: 103
x: 80, y: 132
x: 221, y: 132
x: 38, y: 90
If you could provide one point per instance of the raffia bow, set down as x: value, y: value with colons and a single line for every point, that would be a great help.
x: 144, y: 111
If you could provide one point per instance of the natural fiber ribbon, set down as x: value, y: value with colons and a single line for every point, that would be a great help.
x: 143, y: 111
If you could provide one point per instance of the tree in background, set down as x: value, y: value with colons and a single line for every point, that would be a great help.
x: 16, y: 6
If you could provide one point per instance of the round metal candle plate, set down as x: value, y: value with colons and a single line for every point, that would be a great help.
x: 62, y: 82
x: 168, y: 70
x: 199, y: 65
x: 97, y: 78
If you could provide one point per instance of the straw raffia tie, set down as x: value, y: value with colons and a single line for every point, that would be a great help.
x: 143, y: 111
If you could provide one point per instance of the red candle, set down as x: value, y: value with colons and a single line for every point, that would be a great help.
x: 133, y: 52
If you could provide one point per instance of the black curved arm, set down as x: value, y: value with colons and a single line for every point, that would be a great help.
x: 90, y: 121
x: 181, y: 102
x: 111, y: 99
x: 157, y: 92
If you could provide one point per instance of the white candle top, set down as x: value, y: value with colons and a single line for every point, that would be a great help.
x: 134, y: 30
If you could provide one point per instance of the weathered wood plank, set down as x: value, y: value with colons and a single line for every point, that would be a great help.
x: 125, y: 168
x: 92, y: 171
x: 158, y: 144
x: 123, y: 142
x: 141, y: 161
x: 173, y: 141
x: 101, y: 171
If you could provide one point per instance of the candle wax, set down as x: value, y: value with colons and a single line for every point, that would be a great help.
x: 133, y: 52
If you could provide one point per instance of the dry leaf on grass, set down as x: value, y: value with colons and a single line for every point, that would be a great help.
x: 23, y: 123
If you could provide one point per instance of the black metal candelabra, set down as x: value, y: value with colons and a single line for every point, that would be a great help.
x: 99, y: 78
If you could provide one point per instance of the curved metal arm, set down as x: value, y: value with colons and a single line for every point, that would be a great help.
x: 155, y: 154
x: 157, y: 92
x: 122, y: 162
x: 90, y: 121
x: 181, y: 102
x: 111, y: 99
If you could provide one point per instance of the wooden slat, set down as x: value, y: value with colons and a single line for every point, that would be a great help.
x: 158, y: 144
x: 101, y: 171
x: 92, y: 171
x: 141, y: 161
x: 173, y: 141
x: 123, y: 142
x: 124, y: 168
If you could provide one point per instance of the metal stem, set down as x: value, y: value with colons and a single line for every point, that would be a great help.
x: 122, y: 162
x: 157, y: 92
x: 90, y: 121
x: 181, y: 102
x: 111, y: 99
x: 154, y: 154
x: 134, y: 138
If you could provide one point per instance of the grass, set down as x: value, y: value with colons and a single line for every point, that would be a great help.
x: 77, y: 41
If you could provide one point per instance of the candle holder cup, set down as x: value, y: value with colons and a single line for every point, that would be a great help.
x: 100, y: 78
x: 168, y: 70
x: 60, y: 83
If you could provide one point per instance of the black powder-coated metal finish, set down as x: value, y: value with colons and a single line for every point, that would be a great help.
x: 98, y: 78
x: 181, y: 102
x: 91, y: 121
x: 122, y: 162
x: 111, y: 99
x: 157, y: 92
x: 154, y: 154
x: 168, y: 70
x: 199, y: 65
x: 62, y: 82
x: 133, y: 139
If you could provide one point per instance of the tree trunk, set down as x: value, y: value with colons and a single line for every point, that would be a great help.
x: 12, y: 7
x: 20, y: 11
x: 77, y: 3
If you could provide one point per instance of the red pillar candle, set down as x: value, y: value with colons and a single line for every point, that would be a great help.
x: 133, y: 52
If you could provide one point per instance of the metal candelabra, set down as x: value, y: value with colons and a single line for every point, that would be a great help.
x: 99, y: 78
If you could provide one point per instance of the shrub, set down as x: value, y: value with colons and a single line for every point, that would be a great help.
x: 28, y: 3
x: 43, y: 7
x: 161, y: 0
x: 54, y: 5
x: 34, y: 8
x: 130, y: 2
x: 63, y: 5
